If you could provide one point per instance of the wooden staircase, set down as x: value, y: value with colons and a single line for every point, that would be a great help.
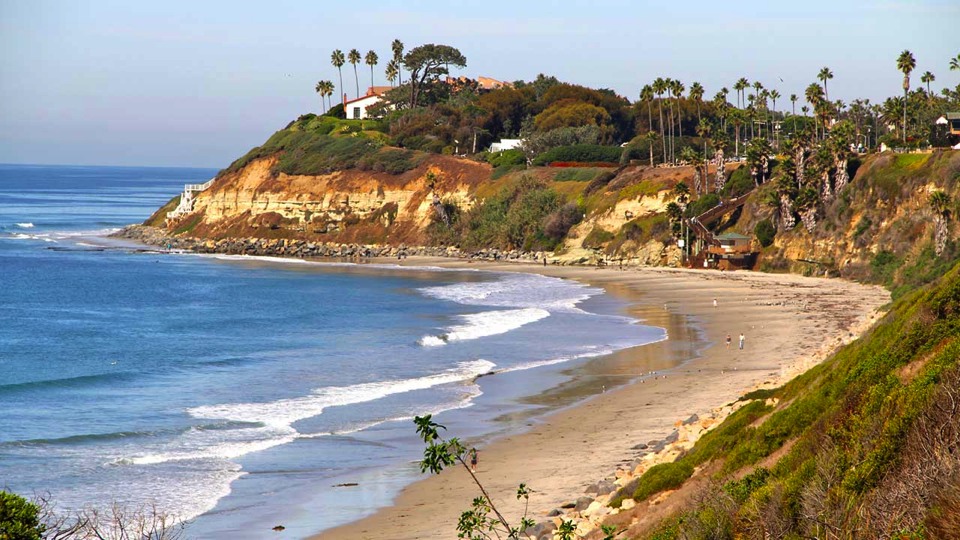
x: 186, y: 199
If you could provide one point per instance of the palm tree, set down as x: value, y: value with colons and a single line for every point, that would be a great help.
x: 825, y: 75
x: 955, y: 63
x: 940, y: 204
x: 329, y: 92
x: 659, y: 87
x: 371, y: 60
x: 336, y: 58
x: 905, y: 63
x: 321, y: 89
x: 354, y: 58
x: 774, y: 96
x: 646, y: 95
x: 740, y: 86
x: 815, y: 96
x: 668, y: 89
x: 696, y: 94
x: 927, y: 78
x: 793, y: 119
x: 650, y: 137
x: 392, y: 71
x: 678, y: 89
x: 397, y: 48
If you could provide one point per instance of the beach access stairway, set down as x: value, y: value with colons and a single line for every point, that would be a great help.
x: 186, y: 199
x: 698, y: 224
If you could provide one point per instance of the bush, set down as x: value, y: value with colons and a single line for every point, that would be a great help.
x: 739, y: 183
x: 597, y: 238
x: 702, y: 204
x: 558, y: 224
x: 507, y: 158
x: 765, y: 232
x: 591, y: 153
x: 662, y: 477
x: 575, y: 175
x: 19, y: 518
x: 514, y: 218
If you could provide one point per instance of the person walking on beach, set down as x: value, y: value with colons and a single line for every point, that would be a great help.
x: 728, y: 341
x: 714, y: 302
x: 741, y: 340
x: 473, y: 460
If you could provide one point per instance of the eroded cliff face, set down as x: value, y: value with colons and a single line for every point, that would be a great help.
x: 343, y: 206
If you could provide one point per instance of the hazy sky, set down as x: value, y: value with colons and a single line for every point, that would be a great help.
x: 199, y: 83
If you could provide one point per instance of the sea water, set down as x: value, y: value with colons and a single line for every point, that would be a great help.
x: 242, y: 392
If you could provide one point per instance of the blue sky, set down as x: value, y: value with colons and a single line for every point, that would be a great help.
x: 178, y: 83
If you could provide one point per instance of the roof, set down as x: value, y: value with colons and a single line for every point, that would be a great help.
x: 372, y: 91
x: 732, y: 236
x: 953, y: 115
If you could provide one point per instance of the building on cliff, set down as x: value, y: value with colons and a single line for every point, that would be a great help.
x: 356, y: 109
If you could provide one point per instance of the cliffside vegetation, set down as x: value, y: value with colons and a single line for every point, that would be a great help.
x: 864, y: 445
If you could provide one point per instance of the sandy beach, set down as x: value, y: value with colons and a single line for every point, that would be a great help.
x: 789, y: 322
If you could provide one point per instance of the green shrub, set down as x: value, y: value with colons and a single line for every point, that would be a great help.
x: 509, y: 157
x: 596, y: 238
x: 701, y: 205
x: 576, y: 174
x: 581, y: 153
x: 513, y: 218
x: 662, y: 477
x: 19, y: 518
x: 739, y: 183
x: 765, y: 232
x: 883, y: 266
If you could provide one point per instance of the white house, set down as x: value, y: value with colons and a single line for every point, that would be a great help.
x: 356, y: 109
x: 505, y: 144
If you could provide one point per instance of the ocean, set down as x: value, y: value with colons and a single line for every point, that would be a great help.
x: 240, y: 392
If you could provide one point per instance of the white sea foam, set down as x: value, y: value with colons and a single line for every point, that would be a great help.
x: 516, y: 291
x: 26, y: 225
x: 275, y: 418
x: 486, y: 323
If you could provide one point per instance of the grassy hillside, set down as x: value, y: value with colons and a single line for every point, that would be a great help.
x: 865, y: 445
x: 321, y: 144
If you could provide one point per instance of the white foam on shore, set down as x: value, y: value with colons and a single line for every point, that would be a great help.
x: 516, y: 291
x: 275, y: 418
x: 486, y: 323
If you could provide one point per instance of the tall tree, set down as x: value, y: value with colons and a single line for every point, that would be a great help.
x: 337, y: 59
x: 825, y: 75
x: 774, y: 96
x: 659, y: 87
x: 397, y: 48
x: 427, y: 63
x: 392, y: 71
x: 696, y: 94
x: 322, y: 90
x: 905, y: 63
x: 678, y: 88
x: 926, y: 79
x: 354, y: 58
x: 669, y: 91
x: 371, y: 60
x: 940, y: 204
x: 740, y: 86
x: 646, y: 95
x: 815, y: 97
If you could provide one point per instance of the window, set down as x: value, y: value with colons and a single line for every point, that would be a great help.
x: 356, y: 112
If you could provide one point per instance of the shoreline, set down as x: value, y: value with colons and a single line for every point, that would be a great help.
x: 601, y: 442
